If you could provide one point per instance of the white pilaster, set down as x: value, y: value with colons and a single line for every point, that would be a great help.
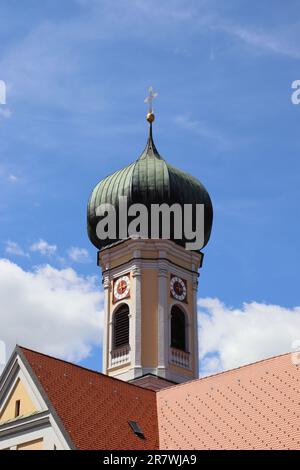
x: 135, y: 331
x: 162, y: 316
x: 195, y: 345
x: 106, y: 330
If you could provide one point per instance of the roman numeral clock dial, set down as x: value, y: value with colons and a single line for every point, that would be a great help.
x: 178, y: 288
x: 121, y: 288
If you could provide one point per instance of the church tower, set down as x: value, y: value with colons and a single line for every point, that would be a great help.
x: 150, y: 284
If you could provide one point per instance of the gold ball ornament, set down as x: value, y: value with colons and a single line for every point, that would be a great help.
x: 150, y: 117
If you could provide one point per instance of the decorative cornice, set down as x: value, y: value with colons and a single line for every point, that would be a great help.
x: 30, y: 422
x: 167, y: 246
x: 136, y: 270
x: 163, y: 270
x: 150, y: 263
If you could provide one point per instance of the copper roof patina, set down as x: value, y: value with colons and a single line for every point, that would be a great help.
x: 148, y: 180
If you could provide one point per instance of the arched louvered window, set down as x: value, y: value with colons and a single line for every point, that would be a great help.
x: 121, y: 327
x: 178, y: 329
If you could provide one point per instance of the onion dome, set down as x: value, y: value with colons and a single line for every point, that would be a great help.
x: 149, y: 180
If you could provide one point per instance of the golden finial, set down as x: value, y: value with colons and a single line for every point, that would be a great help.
x: 149, y: 99
x: 150, y: 117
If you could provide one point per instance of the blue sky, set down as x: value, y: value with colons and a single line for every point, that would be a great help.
x: 77, y: 72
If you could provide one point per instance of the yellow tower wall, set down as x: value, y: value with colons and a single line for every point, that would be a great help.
x: 149, y: 317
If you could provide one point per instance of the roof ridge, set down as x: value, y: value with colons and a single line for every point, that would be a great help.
x: 80, y: 367
x: 207, y: 377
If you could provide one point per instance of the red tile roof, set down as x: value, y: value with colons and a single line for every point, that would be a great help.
x: 253, y: 407
x: 94, y: 408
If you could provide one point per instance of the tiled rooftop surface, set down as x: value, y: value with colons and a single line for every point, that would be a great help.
x: 94, y: 408
x: 252, y: 407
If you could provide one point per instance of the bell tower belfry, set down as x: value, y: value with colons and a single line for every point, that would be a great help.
x: 150, y: 310
x: 150, y: 283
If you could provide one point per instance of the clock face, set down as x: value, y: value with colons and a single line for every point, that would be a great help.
x: 178, y: 288
x: 121, y: 288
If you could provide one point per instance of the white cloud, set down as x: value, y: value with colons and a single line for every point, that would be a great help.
x: 13, y: 178
x: 13, y: 248
x: 59, y: 312
x: 35, y: 63
x: 233, y: 337
x: 201, y: 128
x: 44, y: 248
x: 275, y: 43
x: 211, y: 364
x: 79, y: 255
x: 54, y: 311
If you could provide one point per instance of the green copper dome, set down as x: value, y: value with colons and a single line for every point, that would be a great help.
x: 148, y: 180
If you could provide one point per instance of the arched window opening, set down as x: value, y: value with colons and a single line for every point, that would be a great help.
x: 121, y: 327
x: 178, y: 329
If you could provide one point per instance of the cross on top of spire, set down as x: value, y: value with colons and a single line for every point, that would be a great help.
x: 149, y: 99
